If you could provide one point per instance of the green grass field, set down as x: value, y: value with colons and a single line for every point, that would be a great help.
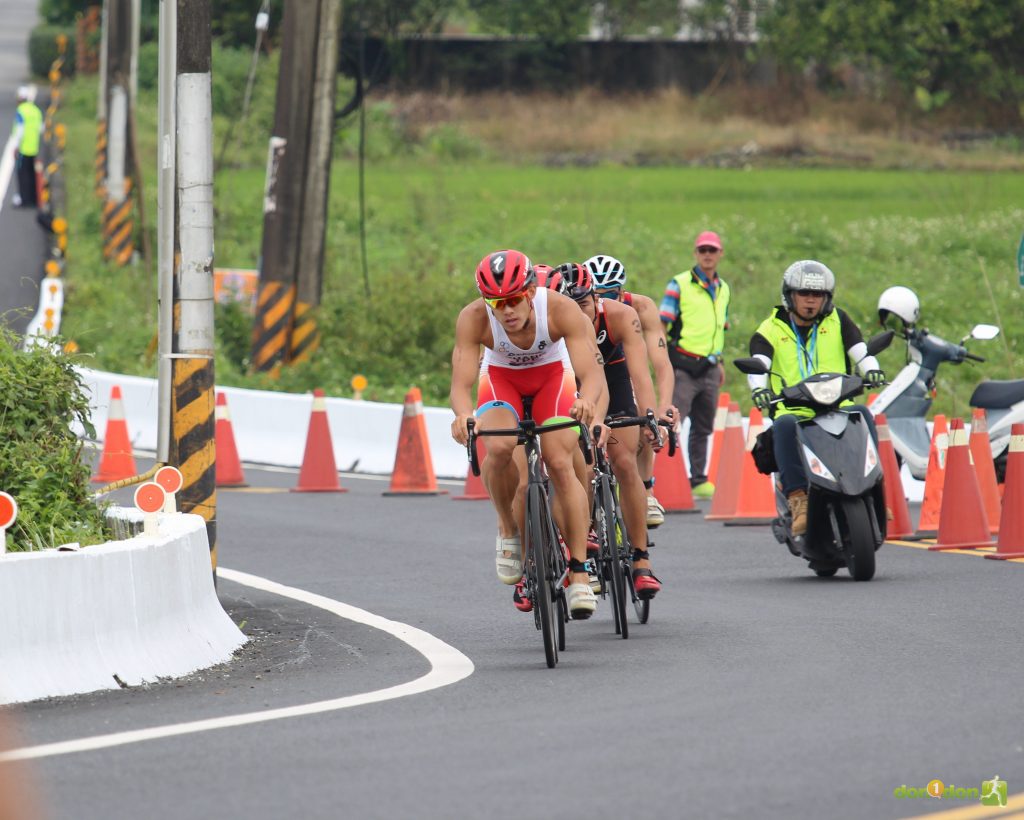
x: 952, y: 236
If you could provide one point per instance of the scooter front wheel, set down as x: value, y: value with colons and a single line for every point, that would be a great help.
x: 858, y: 538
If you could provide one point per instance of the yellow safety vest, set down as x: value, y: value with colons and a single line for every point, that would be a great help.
x: 32, y: 127
x: 827, y: 355
x: 700, y: 326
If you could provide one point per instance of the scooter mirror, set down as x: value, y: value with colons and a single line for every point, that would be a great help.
x: 984, y: 332
x: 751, y: 366
x: 876, y: 344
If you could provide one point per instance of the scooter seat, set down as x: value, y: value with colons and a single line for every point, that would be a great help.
x: 994, y: 395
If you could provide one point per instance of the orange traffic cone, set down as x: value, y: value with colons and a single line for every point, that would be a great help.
x: 716, y: 436
x: 755, y: 502
x: 1011, y: 523
x: 984, y: 469
x: 671, y: 483
x: 229, y: 466
x: 962, y: 522
x: 414, y: 468
x: 116, y: 461
x: 474, y: 489
x: 730, y: 468
x: 895, y: 497
x: 931, y: 506
x: 319, y: 474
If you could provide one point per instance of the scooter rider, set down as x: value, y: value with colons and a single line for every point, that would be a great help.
x: 806, y: 334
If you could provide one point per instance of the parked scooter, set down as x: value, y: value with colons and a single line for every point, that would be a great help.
x: 908, y: 398
x: 846, y: 518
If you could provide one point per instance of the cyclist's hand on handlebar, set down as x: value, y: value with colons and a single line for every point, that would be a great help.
x: 669, y: 413
x: 651, y: 431
x: 762, y: 399
x: 875, y: 378
x: 583, y: 411
x: 601, y: 437
x: 460, y: 431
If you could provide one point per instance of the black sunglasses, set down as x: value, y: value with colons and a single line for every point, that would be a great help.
x: 708, y: 249
x: 810, y: 293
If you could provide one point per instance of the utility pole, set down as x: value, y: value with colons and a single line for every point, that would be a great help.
x: 305, y: 338
x: 118, y: 227
x: 295, y: 198
x: 191, y: 446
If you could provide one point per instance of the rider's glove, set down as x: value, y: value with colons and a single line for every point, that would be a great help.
x: 762, y: 399
x: 875, y: 378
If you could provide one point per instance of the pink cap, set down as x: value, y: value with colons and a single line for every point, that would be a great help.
x: 708, y: 238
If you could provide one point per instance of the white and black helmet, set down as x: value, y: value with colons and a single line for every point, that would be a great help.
x: 606, y: 271
x: 901, y: 302
x: 807, y: 274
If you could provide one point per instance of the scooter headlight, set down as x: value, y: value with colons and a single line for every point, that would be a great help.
x: 816, y: 465
x: 827, y: 391
x: 870, y: 458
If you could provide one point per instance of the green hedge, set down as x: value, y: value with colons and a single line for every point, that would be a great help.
x: 41, y: 459
x: 42, y: 49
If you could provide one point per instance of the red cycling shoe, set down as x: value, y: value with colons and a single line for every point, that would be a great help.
x: 593, y: 545
x: 645, y: 582
x: 520, y: 599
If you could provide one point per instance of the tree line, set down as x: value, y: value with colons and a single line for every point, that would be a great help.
x: 934, y: 50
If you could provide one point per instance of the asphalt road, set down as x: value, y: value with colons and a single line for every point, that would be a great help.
x: 756, y: 689
x: 22, y: 241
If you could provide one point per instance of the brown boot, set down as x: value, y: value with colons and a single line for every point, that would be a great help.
x: 798, y: 509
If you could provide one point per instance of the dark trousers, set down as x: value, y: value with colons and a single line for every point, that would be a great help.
x: 27, y: 180
x: 792, y: 475
x: 696, y: 398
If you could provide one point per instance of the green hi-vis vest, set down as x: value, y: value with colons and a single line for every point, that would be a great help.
x: 32, y: 127
x: 700, y: 326
x: 829, y: 355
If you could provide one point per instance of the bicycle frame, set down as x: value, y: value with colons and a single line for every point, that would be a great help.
x: 545, y: 566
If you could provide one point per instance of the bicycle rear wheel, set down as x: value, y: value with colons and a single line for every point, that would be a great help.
x: 538, y: 557
x: 641, y: 605
x: 611, y: 548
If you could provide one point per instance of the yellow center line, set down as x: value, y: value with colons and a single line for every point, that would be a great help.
x: 977, y: 553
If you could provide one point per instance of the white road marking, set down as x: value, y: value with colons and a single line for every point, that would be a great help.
x: 447, y: 666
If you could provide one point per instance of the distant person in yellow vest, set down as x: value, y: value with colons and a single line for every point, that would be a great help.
x: 695, y: 312
x: 806, y: 334
x: 28, y: 129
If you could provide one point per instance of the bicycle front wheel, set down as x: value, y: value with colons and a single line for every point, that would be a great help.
x: 538, y: 557
x: 612, y: 547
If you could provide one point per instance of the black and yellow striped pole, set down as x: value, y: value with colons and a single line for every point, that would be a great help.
x: 119, y: 227
x: 191, y: 445
x: 100, y: 161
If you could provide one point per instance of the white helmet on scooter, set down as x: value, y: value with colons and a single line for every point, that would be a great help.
x: 809, y: 274
x: 901, y: 302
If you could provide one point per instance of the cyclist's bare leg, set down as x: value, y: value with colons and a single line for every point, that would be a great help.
x: 579, y: 466
x: 645, y: 462
x: 558, y: 458
x: 622, y: 447
x: 499, y: 471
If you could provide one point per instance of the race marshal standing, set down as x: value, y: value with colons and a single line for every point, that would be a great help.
x: 695, y: 312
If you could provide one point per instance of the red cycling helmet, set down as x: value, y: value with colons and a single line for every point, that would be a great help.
x: 548, y: 277
x: 504, y: 273
x: 577, y: 283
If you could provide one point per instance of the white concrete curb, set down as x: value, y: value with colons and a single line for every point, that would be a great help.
x: 140, y: 609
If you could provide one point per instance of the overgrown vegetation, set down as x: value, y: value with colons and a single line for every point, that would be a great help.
x: 445, y: 185
x: 41, y: 464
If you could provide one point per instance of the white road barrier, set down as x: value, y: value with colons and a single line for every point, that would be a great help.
x: 270, y: 428
x: 116, y: 614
